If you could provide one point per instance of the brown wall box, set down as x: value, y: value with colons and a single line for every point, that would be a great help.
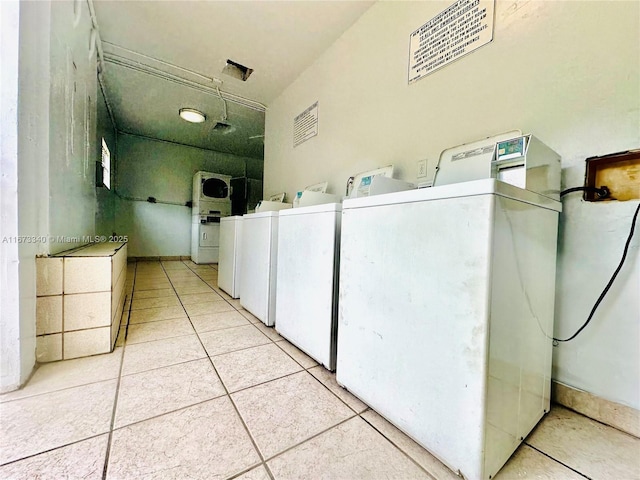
x: 620, y: 172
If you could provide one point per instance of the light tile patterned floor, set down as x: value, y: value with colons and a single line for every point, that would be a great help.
x: 201, y: 389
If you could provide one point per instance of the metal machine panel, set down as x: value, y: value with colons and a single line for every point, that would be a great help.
x: 257, y: 270
x: 445, y: 309
x: 306, y: 296
x: 230, y: 255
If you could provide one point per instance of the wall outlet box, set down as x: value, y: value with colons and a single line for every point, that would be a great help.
x: 422, y: 168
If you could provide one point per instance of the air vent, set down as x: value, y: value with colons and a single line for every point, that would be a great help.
x: 235, y: 70
x: 223, y: 128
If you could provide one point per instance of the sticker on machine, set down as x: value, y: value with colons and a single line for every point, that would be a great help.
x: 460, y: 29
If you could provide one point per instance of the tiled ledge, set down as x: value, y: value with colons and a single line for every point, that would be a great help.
x: 80, y: 296
x: 610, y: 413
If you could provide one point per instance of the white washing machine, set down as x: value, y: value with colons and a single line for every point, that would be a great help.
x: 230, y: 255
x: 258, y: 266
x: 446, y: 314
x: 307, y: 289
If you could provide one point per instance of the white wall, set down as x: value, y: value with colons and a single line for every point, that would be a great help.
x: 164, y: 170
x: 73, y: 124
x: 567, y: 72
x: 25, y: 152
x: 106, y: 198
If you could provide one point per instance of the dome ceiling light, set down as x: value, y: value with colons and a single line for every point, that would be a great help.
x: 192, y: 115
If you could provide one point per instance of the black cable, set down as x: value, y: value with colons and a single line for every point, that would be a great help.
x: 602, y: 192
x: 613, y: 277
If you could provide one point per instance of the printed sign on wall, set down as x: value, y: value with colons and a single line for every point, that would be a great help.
x: 305, y: 125
x: 460, y: 29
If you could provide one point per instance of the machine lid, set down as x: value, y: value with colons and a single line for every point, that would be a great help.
x: 470, y: 161
x: 309, y: 209
x: 488, y: 186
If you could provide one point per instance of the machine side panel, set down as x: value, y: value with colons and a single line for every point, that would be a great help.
x: 413, y: 326
x: 522, y: 310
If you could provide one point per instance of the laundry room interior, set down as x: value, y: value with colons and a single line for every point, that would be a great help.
x: 320, y: 239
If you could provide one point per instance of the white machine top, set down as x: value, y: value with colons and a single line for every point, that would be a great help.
x: 470, y: 161
x: 488, y: 186
x: 232, y: 218
x: 251, y: 216
x: 269, y: 205
x: 321, y: 208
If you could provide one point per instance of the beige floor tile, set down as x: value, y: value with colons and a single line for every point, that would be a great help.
x: 174, y: 265
x: 297, y: 354
x: 328, y: 379
x: 593, y: 449
x: 528, y: 463
x: 155, y: 392
x: 188, y: 290
x: 353, y: 450
x: 167, y: 301
x: 249, y: 316
x: 258, y: 473
x: 140, y: 357
x: 235, y: 303
x: 83, y: 460
x: 208, y: 308
x: 231, y: 339
x: 206, y: 441
x: 161, y: 292
x: 155, y: 314
x: 287, y: 411
x: 421, y: 456
x: 122, y: 333
x: 246, y: 368
x: 269, y: 332
x: 56, y: 376
x: 218, y: 290
x: 188, y: 282
x: 151, y: 277
x: 217, y: 321
x: 193, y: 298
x: 147, y: 332
x: 36, y: 424
x: 151, y: 285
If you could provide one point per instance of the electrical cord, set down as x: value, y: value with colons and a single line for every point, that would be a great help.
x: 602, y: 192
x: 606, y: 289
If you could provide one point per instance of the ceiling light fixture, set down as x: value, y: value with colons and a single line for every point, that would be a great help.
x: 192, y: 115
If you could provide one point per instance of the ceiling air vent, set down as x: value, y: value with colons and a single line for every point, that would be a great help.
x: 235, y: 70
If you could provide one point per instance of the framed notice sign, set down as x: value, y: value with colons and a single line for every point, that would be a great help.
x: 305, y: 125
x: 460, y: 29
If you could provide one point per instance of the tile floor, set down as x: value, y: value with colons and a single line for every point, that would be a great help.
x: 199, y: 388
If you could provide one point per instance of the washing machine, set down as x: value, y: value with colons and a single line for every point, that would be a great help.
x: 230, y: 255
x: 307, y: 288
x: 259, y: 247
x: 447, y: 302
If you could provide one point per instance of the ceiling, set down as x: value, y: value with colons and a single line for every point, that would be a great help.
x: 161, y: 56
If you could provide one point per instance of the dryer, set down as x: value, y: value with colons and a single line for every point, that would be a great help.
x: 211, y: 202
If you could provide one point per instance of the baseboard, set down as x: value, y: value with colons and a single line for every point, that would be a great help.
x: 611, y: 413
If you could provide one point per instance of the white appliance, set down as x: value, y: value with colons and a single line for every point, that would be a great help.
x: 307, y: 293
x: 271, y: 206
x: 230, y: 255
x: 258, y: 265
x: 307, y: 198
x: 211, y: 202
x: 446, y: 314
x: 376, y: 182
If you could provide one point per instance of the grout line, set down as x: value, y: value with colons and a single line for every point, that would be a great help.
x: 53, y: 449
x: 315, y: 435
x: 228, y: 395
x: 555, y: 460
x: 115, y: 400
x: 414, y: 461
x: 164, y: 366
